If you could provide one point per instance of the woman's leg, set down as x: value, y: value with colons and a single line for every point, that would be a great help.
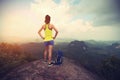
x: 45, y: 53
x: 50, y: 49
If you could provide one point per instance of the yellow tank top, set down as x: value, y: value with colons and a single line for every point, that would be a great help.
x: 48, y: 33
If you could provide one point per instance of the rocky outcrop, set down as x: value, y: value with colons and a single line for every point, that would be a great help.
x: 38, y: 70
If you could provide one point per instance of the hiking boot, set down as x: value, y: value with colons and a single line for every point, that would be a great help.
x: 50, y: 64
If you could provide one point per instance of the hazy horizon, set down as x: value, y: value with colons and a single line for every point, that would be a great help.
x: 38, y: 40
x: 74, y: 19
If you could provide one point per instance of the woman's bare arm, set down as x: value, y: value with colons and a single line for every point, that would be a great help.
x: 39, y: 32
x: 56, y: 31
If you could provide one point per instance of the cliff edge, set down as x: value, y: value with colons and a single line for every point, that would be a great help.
x: 38, y: 70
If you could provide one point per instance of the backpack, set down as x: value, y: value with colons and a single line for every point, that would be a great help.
x: 59, y: 58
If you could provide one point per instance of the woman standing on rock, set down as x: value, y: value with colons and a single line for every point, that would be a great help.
x: 48, y: 38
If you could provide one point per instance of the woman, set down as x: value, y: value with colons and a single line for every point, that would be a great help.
x: 48, y: 38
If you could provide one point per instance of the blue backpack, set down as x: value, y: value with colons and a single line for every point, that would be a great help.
x: 59, y: 58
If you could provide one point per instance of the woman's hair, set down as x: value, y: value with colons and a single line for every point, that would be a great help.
x: 47, y: 19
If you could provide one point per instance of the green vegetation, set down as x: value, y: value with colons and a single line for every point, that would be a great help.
x: 102, y: 59
x: 11, y: 56
x: 111, y: 68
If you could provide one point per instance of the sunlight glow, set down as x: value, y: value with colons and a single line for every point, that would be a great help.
x: 23, y: 24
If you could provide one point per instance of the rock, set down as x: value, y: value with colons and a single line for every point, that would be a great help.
x: 81, y: 45
x: 38, y: 70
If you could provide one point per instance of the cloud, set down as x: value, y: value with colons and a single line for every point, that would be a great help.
x: 61, y: 17
x: 101, y: 12
x: 73, y: 19
x: 78, y: 20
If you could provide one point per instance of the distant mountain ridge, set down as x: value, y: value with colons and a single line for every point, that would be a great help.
x: 93, y: 56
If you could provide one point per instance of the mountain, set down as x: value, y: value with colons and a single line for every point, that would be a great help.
x: 78, y: 44
x: 99, y: 58
x: 102, y: 60
x: 93, y: 43
x: 115, y: 45
x: 37, y: 70
x: 77, y: 47
x: 114, y: 49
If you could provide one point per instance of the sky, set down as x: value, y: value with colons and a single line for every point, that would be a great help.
x: 20, y: 20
